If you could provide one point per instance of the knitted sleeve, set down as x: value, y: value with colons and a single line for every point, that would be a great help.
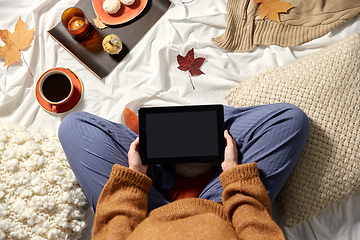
x: 307, y: 20
x: 122, y: 204
x: 247, y: 203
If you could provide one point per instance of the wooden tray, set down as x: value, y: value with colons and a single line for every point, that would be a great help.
x: 90, y: 52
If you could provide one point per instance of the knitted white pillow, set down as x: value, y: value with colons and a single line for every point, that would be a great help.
x: 326, y: 86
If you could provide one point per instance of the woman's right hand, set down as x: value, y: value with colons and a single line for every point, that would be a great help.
x: 231, y: 152
x: 134, y: 158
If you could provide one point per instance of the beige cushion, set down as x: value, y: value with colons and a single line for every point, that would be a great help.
x: 326, y: 86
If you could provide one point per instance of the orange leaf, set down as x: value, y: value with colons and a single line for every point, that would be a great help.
x: 131, y: 120
x: 272, y: 8
x: 15, y: 42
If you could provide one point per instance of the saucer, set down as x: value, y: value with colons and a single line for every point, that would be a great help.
x: 125, y: 14
x: 73, y: 101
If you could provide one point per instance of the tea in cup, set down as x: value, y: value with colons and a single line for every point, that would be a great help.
x: 56, y: 88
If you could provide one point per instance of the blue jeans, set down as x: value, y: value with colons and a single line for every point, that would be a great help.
x: 272, y: 135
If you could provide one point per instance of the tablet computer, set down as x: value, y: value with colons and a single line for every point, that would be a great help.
x: 181, y: 134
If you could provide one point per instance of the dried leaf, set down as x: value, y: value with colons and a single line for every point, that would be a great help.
x: 131, y: 120
x: 98, y: 23
x: 191, y: 64
x: 272, y: 8
x: 15, y: 42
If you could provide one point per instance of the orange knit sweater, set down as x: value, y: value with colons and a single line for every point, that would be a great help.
x: 245, y: 212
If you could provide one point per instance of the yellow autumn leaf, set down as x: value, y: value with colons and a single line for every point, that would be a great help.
x: 15, y: 42
x: 98, y: 23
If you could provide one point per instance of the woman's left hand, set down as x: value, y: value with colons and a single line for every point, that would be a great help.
x: 231, y: 153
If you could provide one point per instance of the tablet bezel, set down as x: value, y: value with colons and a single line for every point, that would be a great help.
x: 219, y: 109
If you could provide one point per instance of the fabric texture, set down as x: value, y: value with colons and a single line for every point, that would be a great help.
x: 40, y: 197
x: 326, y: 87
x: 245, y: 212
x: 190, y: 187
x: 307, y: 20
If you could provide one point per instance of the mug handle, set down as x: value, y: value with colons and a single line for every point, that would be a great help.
x: 54, y: 108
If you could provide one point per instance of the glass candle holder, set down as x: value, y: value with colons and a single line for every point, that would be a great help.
x: 75, y: 22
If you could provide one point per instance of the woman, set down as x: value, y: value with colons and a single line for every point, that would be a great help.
x: 263, y: 145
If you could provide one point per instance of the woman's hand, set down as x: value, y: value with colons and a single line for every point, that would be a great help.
x: 134, y: 158
x: 231, y: 153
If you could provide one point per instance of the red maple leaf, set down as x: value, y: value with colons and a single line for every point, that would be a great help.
x: 191, y: 64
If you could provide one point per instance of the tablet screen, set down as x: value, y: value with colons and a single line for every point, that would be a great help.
x: 181, y: 134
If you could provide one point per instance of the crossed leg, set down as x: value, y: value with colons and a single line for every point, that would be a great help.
x: 270, y: 135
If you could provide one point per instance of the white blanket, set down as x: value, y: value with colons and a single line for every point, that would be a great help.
x: 148, y: 76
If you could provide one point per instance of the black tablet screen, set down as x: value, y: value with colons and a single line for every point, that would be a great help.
x: 181, y: 135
